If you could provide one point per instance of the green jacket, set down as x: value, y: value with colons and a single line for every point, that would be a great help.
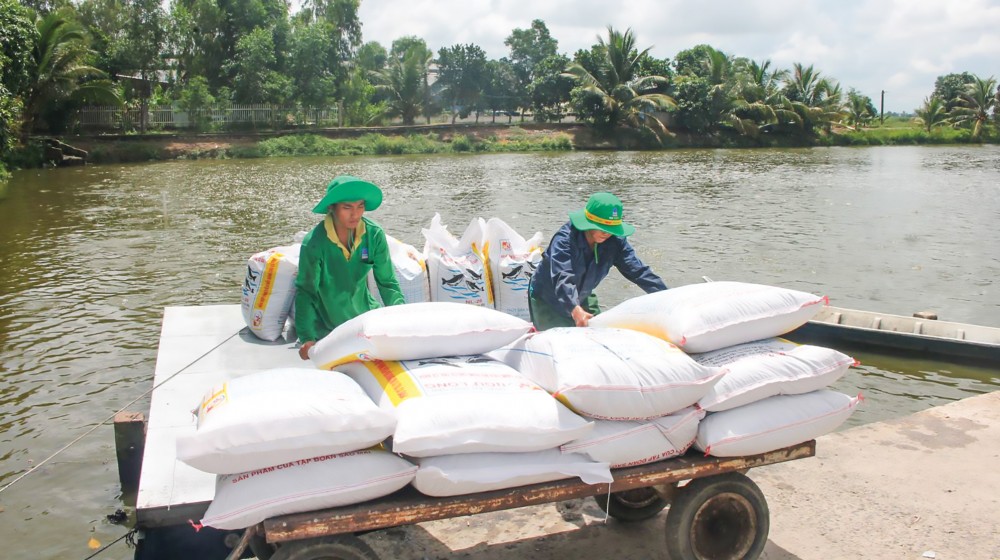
x: 332, y: 288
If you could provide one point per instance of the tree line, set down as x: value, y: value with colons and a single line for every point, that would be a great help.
x: 58, y: 56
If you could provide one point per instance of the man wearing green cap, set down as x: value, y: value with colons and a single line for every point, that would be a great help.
x: 336, y: 256
x: 579, y: 256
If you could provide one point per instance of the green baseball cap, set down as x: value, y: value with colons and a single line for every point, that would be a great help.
x: 603, y: 212
x: 347, y: 188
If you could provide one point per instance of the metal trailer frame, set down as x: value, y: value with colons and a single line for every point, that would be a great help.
x: 719, y: 512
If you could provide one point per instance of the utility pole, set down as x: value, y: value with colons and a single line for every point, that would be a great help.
x: 881, y: 109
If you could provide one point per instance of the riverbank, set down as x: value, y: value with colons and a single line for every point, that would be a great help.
x: 462, y: 138
x: 922, y: 486
x: 429, y: 139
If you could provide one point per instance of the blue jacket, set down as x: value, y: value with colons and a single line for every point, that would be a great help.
x: 569, y: 270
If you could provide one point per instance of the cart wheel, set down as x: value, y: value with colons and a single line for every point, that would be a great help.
x: 340, y: 547
x: 722, y: 517
x: 260, y: 548
x: 632, y: 505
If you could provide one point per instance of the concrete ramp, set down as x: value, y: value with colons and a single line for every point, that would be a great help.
x: 923, y: 486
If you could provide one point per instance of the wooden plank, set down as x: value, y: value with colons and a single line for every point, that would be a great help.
x: 408, y: 506
x: 130, y: 442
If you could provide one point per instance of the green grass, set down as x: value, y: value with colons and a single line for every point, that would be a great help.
x: 377, y: 144
x: 885, y: 136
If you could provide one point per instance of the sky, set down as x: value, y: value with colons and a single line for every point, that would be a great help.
x: 899, y: 46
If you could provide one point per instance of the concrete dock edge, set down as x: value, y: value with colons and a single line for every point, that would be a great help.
x: 923, y: 486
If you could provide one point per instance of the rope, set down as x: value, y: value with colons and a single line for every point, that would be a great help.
x: 102, y: 422
x: 607, y: 508
x: 112, y: 543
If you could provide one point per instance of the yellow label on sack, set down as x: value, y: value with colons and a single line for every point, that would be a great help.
x: 267, y: 280
x: 355, y: 357
x: 217, y: 398
x: 487, y: 274
x: 395, y: 380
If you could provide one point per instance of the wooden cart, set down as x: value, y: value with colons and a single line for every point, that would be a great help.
x: 715, y: 511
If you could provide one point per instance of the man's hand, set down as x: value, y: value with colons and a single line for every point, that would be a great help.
x: 304, y: 349
x: 581, y: 317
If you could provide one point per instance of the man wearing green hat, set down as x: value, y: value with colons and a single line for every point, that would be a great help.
x: 579, y: 256
x: 336, y: 256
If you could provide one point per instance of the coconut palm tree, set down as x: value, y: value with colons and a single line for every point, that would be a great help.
x: 933, y: 113
x: 759, y: 102
x: 624, y: 99
x: 858, y: 109
x: 818, y: 101
x: 974, y: 105
x: 61, y: 72
x: 404, y: 80
x: 832, y: 103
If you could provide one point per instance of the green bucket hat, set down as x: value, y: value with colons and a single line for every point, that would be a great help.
x: 603, y: 212
x: 346, y: 188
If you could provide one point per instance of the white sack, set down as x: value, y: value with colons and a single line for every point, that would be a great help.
x: 456, y: 268
x: 415, y: 331
x: 757, y: 370
x: 773, y: 423
x: 610, y: 374
x: 467, y: 404
x: 282, y: 415
x: 244, y: 499
x: 411, y: 273
x: 512, y: 261
x: 712, y: 315
x: 269, y: 290
x: 481, y: 472
x: 626, y: 444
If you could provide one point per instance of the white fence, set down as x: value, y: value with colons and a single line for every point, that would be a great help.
x: 220, y: 117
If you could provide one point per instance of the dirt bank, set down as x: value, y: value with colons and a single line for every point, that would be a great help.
x: 165, y: 146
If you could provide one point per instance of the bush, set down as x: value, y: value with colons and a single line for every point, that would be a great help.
x: 126, y: 152
x: 461, y: 143
x: 29, y: 156
x: 295, y: 145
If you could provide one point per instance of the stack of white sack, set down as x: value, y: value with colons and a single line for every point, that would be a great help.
x: 424, y: 363
x: 288, y: 440
x: 641, y: 389
x: 474, y: 424
x: 465, y: 404
x: 411, y: 272
x: 512, y: 261
x: 269, y: 290
x: 773, y: 396
x: 456, y: 268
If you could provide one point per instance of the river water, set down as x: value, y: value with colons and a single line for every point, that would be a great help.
x: 91, y: 256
